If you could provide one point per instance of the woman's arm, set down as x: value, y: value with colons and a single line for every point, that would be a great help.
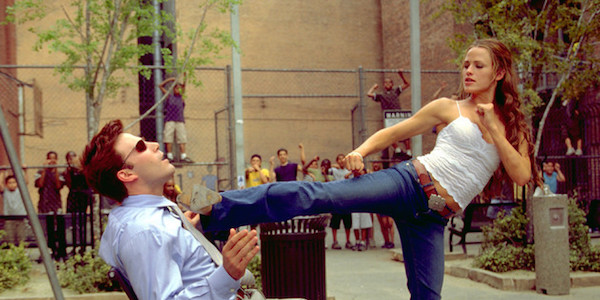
x: 432, y: 114
x: 516, y: 162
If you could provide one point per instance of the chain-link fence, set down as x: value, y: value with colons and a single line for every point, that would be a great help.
x: 282, y: 107
x: 326, y: 110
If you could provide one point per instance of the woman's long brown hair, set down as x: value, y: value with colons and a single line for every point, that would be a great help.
x: 508, y: 104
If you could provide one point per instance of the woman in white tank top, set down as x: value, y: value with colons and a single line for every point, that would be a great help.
x: 484, y: 132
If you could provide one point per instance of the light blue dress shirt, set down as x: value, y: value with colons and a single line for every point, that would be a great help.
x: 161, y: 259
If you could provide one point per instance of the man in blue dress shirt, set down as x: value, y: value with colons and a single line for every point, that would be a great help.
x: 143, y: 238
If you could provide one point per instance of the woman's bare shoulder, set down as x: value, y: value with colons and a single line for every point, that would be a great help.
x: 444, y: 108
x: 443, y: 104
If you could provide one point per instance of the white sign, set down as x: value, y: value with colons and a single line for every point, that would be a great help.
x: 392, y: 117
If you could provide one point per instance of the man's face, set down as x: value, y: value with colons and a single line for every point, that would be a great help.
x: 283, y: 156
x: 11, y: 184
x: 52, y: 159
x: 388, y: 84
x: 148, y: 165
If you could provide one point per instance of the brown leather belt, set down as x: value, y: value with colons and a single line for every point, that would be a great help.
x: 429, y: 188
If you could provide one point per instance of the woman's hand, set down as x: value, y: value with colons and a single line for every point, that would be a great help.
x: 487, y: 117
x: 354, y: 162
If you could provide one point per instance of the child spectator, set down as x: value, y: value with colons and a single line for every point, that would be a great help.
x: 573, y: 128
x: 339, y: 173
x: 386, y: 223
x: 361, y: 223
x: 16, y: 230
x: 80, y: 194
x: 255, y: 174
x: 78, y: 200
x: 174, y: 120
x: 389, y: 100
x: 49, y: 182
x: 552, y: 175
x: 171, y: 190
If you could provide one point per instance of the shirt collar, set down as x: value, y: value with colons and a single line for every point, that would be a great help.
x: 146, y: 201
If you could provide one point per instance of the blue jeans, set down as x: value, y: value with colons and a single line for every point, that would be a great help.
x: 395, y: 192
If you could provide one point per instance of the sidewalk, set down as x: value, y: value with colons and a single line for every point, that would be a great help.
x: 373, y: 274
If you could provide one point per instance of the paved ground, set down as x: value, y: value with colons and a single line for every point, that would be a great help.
x: 373, y: 275
x: 351, y: 275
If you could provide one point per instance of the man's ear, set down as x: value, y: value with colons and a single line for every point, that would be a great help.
x: 126, y: 175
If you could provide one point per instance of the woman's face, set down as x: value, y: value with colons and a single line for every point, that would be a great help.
x: 477, y: 72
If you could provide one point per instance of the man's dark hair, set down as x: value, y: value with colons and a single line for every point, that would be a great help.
x: 50, y: 153
x: 101, y: 162
x: 255, y: 155
x: 282, y: 149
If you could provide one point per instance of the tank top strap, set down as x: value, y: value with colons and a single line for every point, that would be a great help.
x: 458, y: 106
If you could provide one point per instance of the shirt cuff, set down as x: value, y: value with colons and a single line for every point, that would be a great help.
x: 223, y: 284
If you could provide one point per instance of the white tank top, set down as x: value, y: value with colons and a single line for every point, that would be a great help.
x: 461, y: 161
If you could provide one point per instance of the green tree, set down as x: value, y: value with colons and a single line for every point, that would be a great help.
x: 557, y: 37
x: 102, y: 37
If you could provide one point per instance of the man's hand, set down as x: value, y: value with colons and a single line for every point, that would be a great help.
x: 238, y: 251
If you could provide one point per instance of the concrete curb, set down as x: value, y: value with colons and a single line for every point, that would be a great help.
x: 460, y: 265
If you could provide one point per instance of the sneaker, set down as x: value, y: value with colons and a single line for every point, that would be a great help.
x: 348, y: 245
x: 336, y: 246
x: 355, y: 247
x: 570, y: 151
x: 200, y: 201
x: 186, y: 160
x: 578, y: 152
x: 361, y: 247
x: 408, y: 152
x: 391, y: 245
x: 170, y: 157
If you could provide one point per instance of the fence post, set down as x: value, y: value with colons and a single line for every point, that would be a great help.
x: 33, y: 218
x: 362, y: 105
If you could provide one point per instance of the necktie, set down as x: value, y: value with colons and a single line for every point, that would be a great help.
x: 217, y: 257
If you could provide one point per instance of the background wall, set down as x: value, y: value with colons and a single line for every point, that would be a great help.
x: 324, y: 35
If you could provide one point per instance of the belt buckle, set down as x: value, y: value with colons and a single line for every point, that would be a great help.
x: 436, y: 202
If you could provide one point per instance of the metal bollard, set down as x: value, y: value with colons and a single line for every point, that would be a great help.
x: 551, y: 233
